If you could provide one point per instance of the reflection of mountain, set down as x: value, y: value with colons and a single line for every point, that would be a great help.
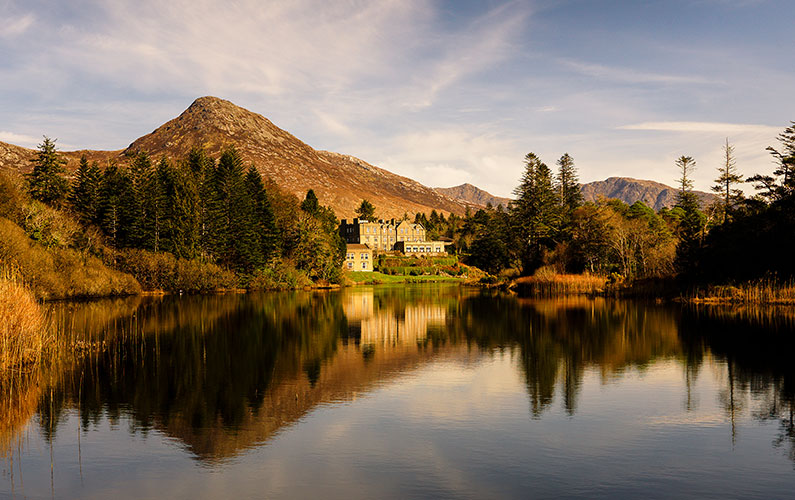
x: 224, y: 373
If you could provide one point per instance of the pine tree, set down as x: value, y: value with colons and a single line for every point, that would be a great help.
x: 115, y: 202
x: 140, y: 174
x: 366, y: 211
x: 231, y: 214
x: 536, y: 212
x: 568, y: 184
x: 47, y: 182
x: 182, y: 211
x: 728, y: 177
x: 693, y: 221
x: 265, y: 220
x: 686, y: 165
x: 310, y: 204
x: 782, y: 183
x: 84, y: 195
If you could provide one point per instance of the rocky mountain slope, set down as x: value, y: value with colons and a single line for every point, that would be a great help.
x: 340, y: 181
x: 654, y: 194
x: 473, y: 196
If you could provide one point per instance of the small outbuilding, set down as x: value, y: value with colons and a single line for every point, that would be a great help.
x: 358, y: 257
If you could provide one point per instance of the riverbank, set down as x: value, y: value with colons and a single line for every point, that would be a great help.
x: 377, y: 278
x: 767, y: 291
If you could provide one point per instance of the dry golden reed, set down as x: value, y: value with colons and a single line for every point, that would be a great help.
x: 23, y: 332
x: 549, y: 283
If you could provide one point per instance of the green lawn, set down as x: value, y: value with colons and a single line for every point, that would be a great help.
x: 374, y: 277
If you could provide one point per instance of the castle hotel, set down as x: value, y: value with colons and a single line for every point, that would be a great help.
x: 389, y: 236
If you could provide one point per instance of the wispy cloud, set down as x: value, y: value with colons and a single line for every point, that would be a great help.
x: 719, y: 127
x: 15, y: 26
x: 19, y: 139
x: 633, y: 76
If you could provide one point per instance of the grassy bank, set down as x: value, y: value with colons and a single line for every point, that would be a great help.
x: 376, y: 278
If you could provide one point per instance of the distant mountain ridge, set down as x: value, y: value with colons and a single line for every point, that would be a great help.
x: 473, y: 196
x: 655, y: 194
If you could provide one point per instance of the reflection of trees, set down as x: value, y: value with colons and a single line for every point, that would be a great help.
x: 757, y: 345
x: 559, y: 338
x: 202, y: 361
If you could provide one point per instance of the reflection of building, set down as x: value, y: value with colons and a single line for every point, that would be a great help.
x: 387, y: 326
x: 358, y: 258
x: 386, y: 236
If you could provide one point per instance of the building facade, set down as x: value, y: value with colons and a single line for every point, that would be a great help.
x: 381, y: 236
x: 421, y: 247
x: 358, y: 258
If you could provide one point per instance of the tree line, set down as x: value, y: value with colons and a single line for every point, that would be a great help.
x: 194, y: 208
x: 548, y: 224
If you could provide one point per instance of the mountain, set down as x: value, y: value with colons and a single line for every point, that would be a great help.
x: 473, y: 196
x: 340, y: 181
x: 628, y: 190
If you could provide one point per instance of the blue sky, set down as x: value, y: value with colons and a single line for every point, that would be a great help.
x: 443, y: 92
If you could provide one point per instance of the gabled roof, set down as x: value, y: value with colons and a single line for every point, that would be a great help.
x: 357, y: 246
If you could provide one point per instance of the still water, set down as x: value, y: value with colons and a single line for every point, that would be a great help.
x: 423, y: 391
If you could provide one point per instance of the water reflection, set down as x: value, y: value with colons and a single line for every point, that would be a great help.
x: 222, y: 374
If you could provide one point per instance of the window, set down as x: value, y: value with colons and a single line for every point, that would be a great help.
x: 364, y: 265
x: 350, y: 265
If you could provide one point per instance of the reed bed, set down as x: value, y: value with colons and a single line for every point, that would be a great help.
x: 549, y: 283
x: 764, y: 291
x: 23, y: 330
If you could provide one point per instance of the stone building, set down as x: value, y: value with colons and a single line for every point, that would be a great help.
x: 358, y: 258
x: 381, y: 235
x: 388, y: 236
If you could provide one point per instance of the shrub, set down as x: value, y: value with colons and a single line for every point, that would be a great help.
x: 60, y: 272
x: 279, y: 276
x: 163, y: 271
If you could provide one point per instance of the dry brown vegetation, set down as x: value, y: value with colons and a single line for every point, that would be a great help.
x: 547, y: 282
x: 60, y: 272
x: 765, y: 291
x: 23, y: 334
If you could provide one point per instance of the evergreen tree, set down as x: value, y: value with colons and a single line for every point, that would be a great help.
x: 310, y: 204
x: 366, y: 211
x: 782, y: 183
x: 568, y: 184
x: 265, y: 220
x: 692, y: 222
x: 232, y: 218
x: 181, y: 214
x: 84, y: 195
x: 535, y: 212
x: 47, y: 182
x: 686, y: 165
x: 728, y: 177
x: 154, y: 200
x: 115, y: 202
x: 141, y: 177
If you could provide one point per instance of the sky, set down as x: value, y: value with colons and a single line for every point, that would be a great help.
x: 444, y: 92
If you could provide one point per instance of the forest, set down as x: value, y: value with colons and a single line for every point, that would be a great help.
x: 198, y: 224
x: 548, y: 227
x: 201, y: 224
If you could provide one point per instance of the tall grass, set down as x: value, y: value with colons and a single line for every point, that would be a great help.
x: 763, y: 291
x: 23, y: 331
x: 547, y: 282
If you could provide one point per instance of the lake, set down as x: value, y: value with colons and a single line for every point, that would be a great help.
x: 420, y: 391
